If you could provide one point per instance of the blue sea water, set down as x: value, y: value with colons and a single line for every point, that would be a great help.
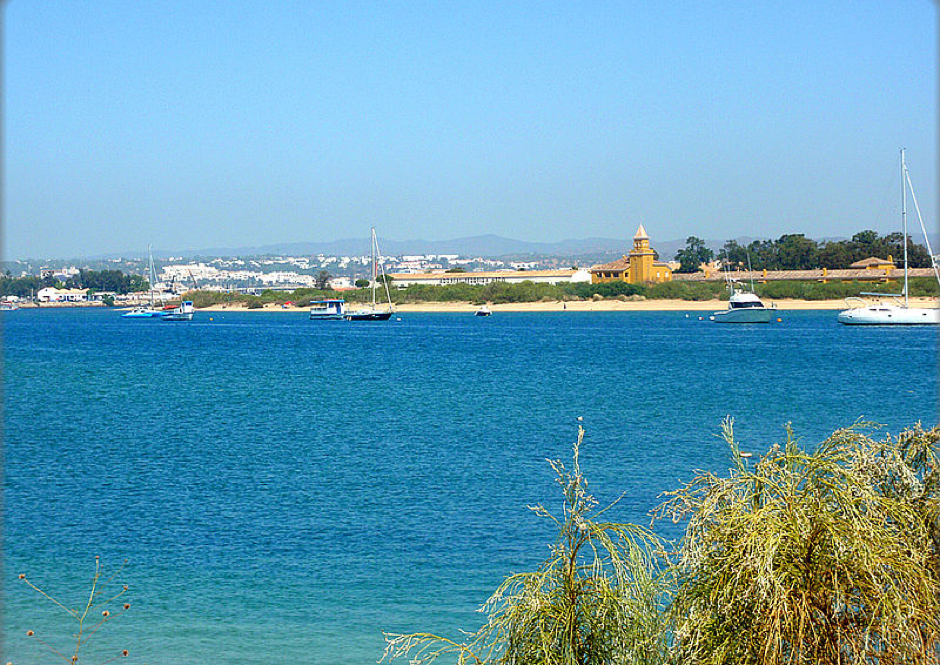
x: 285, y: 490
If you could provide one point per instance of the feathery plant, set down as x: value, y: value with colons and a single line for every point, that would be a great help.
x: 89, y: 617
x: 805, y: 558
x: 597, y: 599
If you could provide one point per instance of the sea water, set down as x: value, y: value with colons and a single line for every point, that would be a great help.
x: 285, y: 490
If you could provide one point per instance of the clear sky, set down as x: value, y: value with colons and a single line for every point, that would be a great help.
x: 196, y: 124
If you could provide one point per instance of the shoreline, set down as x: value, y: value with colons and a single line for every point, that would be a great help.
x: 577, y: 306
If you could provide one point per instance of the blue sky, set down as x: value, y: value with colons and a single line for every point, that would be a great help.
x: 245, y: 123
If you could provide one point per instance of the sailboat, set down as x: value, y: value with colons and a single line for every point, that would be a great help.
x: 374, y: 313
x: 895, y: 313
x: 143, y: 312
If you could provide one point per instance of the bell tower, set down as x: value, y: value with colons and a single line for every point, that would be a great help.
x: 641, y: 258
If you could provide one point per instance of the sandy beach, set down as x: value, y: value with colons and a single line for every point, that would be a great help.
x: 581, y: 306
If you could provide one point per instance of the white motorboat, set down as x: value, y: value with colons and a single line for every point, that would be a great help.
x: 142, y: 313
x: 483, y: 311
x: 743, y: 307
x: 898, y: 312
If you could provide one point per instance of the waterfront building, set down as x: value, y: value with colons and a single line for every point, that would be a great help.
x: 52, y: 294
x: 640, y: 266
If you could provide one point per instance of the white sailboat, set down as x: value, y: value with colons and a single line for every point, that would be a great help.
x: 895, y: 313
x: 144, y: 312
x: 374, y: 313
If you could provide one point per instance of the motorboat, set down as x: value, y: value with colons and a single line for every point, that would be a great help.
x: 182, y: 312
x: 142, y: 313
x: 330, y: 309
x: 483, y: 311
x: 744, y: 307
x: 897, y: 312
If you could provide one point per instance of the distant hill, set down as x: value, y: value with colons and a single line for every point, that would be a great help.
x: 490, y: 246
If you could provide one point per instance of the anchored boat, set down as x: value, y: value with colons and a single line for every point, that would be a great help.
x: 896, y: 311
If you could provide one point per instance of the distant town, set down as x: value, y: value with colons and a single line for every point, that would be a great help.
x: 118, y: 277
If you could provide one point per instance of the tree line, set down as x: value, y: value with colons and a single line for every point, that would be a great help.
x: 794, y: 251
x: 113, y: 281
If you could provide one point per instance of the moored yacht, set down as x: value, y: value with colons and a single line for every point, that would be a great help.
x: 899, y: 312
x: 744, y: 307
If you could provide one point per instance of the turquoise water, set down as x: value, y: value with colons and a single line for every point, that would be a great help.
x: 284, y: 490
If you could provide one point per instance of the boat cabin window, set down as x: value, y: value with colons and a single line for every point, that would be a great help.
x: 744, y: 305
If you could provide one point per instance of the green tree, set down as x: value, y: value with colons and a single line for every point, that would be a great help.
x: 795, y: 251
x: 596, y: 599
x: 322, y: 280
x: 694, y: 254
x: 362, y: 283
x: 734, y: 255
x: 803, y: 558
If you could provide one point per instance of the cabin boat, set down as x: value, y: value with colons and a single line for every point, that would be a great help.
x: 331, y: 309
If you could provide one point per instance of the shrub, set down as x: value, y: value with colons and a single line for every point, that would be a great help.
x: 805, y: 558
x: 88, y: 618
x: 596, y: 599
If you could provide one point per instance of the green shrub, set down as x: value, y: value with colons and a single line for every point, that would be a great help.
x: 597, y: 598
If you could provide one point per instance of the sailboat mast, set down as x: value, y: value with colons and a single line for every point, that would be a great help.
x: 374, y: 272
x: 904, y: 220
x: 151, y: 274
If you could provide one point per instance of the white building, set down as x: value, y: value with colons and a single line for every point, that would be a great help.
x: 508, y: 276
x: 52, y: 294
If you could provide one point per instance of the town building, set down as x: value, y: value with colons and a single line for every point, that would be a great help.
x: 52, y: 294
x: 874, y: 263
x: 640, y: 266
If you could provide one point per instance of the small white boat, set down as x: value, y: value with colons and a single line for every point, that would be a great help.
x: 331, y: 309
x: 744, y: 307
x: 142, y: 313
x: 183, y: 312
x: 483, y: 311
x: 895, y: 313
x: 8, y: 306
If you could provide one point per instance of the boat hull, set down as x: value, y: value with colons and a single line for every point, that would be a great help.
x: 369, y: 316
x: 744, y: 315
x: 889, y: 315
x: 326, y: 317
x: 142, y: 314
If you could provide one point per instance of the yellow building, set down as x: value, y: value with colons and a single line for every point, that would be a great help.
x: 639, y: 266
